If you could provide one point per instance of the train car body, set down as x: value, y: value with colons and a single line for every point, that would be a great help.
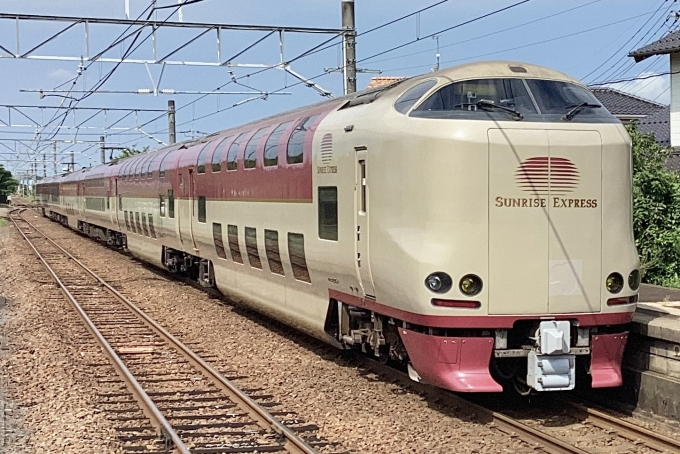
x: 474, y: 223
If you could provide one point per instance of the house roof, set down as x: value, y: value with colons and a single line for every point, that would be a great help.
x: 666, y: 45
x: 650, y: 116
x: 620, y: 103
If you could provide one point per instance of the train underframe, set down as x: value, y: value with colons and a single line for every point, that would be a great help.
x: 459, y: 359
x: 533, y: 355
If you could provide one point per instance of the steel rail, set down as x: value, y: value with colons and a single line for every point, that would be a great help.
x: 293, y: 443
x: 624, y: 428
x: 152, y: 412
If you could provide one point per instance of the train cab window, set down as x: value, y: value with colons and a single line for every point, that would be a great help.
x: 161, y: 205
x: 557, y: 98
x: 250, y: 155
x: 145, y: 226
x: 152, y: 229
x: 271, y: 246
x: 127, y: 221
x: 251, y: 248
x: 296, y: 252
x: 232, y: 154
x: 271, y: 148
x: 202, y: 156
x: 201, y: 209
x: 328, y: 213
x: 217, y: 157
x: 171, y: 203
x: 234, y: 247
x: 297, y: 141
x: 217, y: 240
x: 476, y: 99
x: 412, y: 95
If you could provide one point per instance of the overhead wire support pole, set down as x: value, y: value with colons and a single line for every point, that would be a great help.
x: 172, y: 134
x: 349, y: 67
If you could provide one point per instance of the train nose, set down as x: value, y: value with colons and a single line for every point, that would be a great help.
x: 545, y: 221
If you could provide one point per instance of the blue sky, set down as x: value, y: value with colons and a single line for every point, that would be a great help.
x: 587, y: 39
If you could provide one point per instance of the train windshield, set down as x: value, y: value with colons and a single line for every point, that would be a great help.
x: 514, y: 99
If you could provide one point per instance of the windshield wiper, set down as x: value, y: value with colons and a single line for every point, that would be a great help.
x: 578, y: 108
x: 485, y: 103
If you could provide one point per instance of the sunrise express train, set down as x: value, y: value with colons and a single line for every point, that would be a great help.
x: 473, y: 223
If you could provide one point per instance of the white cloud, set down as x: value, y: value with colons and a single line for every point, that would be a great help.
x: 652, y: 88
x: 61, y: 75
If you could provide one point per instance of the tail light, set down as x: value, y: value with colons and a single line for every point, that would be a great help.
x: 457, y: 303
x: 622, y: 300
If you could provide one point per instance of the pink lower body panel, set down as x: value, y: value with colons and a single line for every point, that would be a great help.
x: 606, y: 355
x: 456, y: 363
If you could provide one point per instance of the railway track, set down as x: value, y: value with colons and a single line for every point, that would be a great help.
x: 163, y: 397
x: 593, y: 424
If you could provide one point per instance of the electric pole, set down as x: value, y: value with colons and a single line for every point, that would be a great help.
x: 102, y: 148
x: 73, y: 162
x: 349, y: 68
x: 171, y: 122
x: 55, y: 158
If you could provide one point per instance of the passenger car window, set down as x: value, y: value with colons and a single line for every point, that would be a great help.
x: 202, y: 156
x: 217, y: 241
x: 412, y: 95
x: 217, y: 154
x: 201, y: 209
x: 234, y: 247
x: 251, y: 248
x: 164, y: 165
x: 297, y: 140
x: 328, y: 213
x: 296, y: 251
x: 271, y: 246
x: 250, y: 155
x: 271, y: 148
x: 232, y: 154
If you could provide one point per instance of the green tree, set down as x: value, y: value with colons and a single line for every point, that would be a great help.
x: 131, y: 151
x: 7, y: 183
x: 656, y: 210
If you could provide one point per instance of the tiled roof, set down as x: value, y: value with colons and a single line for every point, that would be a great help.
x: 658, y: 123
x: 622, y: 104
x: 666, y: 45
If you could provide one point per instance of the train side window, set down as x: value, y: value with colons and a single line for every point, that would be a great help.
x: 296, y: 251
x: 171, y: 203
x: 412, y: 95
x: 328, y: 213
x: 271, y: 148
x: 127, y: 221
x: 108, y: 203
x: 251, y: 248
x: 271, y: 246
x: 161, y: 206
x: 120, y: 202
x: 202, y: 156
x: 152, y: 229
x: 164, y: 164
x: 250, y: 155
x: 216, y: 160
x: 145, y: 226
x: 138, y: 224
x: 297, y: 141
x: 232, y: 154
x: 217, y: 240
x: 234, y: 248
x: 201, y: 209
x: 149, y: 172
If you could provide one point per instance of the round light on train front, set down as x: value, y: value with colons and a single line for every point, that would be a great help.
x: 470, y: 285
x: 634, y: 280
x: 614, y: 283
x: 439, y: 282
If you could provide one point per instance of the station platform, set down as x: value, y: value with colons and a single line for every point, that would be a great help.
x: 652, y: 359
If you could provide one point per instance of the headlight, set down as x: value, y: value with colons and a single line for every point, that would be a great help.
x: 439, y: 282
x: 634, y: 280
x: 614, y: 283
x: 470, y: 285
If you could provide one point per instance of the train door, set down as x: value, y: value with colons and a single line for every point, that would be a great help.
x: 362, y: 237
x: 187, y: 209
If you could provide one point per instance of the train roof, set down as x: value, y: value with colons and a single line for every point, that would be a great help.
x: 483, y: 69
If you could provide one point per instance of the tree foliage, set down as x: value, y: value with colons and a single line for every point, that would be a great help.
x: 7, y: 183
x: 131, y: 151
x: 656, y: 210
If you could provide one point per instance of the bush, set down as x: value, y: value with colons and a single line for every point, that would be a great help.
x: 656, y: 210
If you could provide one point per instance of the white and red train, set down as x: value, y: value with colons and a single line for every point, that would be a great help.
x: 473, y: 223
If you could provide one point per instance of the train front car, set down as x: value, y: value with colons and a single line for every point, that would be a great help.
x: 496, y: 201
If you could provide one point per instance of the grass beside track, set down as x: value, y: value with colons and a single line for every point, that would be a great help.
x: 3, y: 222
